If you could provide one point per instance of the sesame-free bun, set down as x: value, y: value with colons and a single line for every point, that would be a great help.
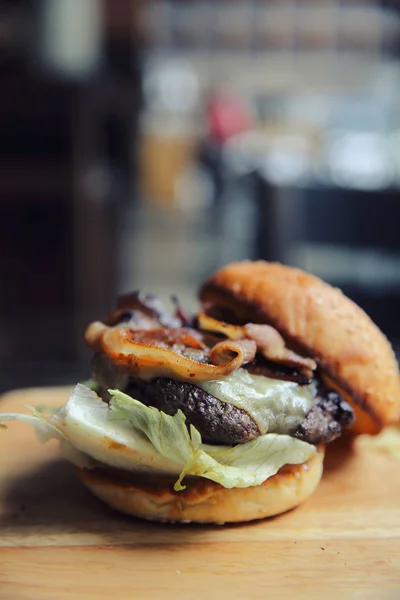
x: 204, y: 501
x: 353, y: 354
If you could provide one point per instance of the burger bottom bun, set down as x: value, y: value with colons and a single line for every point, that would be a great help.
x: 204, y: 501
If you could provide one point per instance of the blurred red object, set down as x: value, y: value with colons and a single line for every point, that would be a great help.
x: 227, y: 116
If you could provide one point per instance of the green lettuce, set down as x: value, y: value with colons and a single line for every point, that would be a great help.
x: 44, y: 428
x: 130, y: 436
x: 44, y: 421
x: 243, y: 465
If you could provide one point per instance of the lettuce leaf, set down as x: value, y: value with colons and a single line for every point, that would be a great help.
x: 86, y: 421
x: 243, y: 465
x: 168, y: 434
x: 91, y: 383
x: 47, y: 429
x: 44, y: 428
x: 131, y: 436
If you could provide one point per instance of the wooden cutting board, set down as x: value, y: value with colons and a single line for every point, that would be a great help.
x: 57, y: 541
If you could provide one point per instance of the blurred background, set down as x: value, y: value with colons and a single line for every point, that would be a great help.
x: 145, y: 143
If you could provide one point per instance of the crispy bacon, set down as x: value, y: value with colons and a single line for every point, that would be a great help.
x: 278, y: 371
x: 94, y: 335
x: 168, y: 337
x: 272, y: 346
x: 268, y: 340
x: 140, y: 336
x: 168, y: 352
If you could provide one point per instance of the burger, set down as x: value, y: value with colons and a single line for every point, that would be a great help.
x: 223, y: 416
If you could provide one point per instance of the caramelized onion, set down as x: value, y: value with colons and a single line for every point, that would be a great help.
x: 233, y: 332
x: 147, y: 305
x: 268, y: 340
x: 94, y: 335
x: 120, y: 346
x: 180, y: 313
x: 272, y: 346
x: 245, y: 351
x: 143, y: 344
x: 135, y: 318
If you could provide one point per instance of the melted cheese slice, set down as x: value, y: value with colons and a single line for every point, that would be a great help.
x: 276, y: 406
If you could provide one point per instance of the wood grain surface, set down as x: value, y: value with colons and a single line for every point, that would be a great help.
x: 57, y: 541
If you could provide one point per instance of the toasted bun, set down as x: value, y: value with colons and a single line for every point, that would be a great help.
x: 204, y: 501
x: 323, y: 323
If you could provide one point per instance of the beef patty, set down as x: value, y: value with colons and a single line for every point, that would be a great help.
x: 217, y: 421
x: 221, y: 423
x: 326, y: 420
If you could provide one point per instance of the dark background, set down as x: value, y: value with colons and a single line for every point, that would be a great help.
x: 116, y: 172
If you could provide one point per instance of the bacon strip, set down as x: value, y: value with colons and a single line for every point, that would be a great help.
x: 141, y: 342
x: 269, y: 341
x: 156, y: 353
x: 272, y: 346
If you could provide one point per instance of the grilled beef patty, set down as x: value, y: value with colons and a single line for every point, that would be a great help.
x: 222, y: 423
x: 326, y: 420
x: 217, y: 421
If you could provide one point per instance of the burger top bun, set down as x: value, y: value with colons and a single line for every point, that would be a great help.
x: 318, y: 320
